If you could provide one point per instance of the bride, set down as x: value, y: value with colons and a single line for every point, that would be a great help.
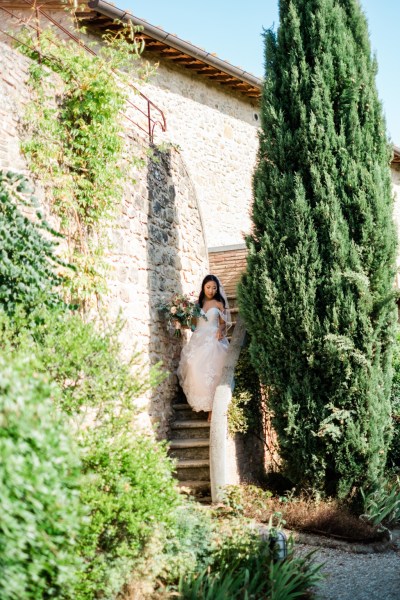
x: 202, y: 360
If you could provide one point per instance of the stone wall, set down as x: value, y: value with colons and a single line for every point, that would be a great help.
x: 13, y: 96
x: 216, y: 129
x: 157, y: 243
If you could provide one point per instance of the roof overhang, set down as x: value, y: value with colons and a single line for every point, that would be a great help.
x: 170, y: 47
x: 43, y: 4
x: 102, y: 15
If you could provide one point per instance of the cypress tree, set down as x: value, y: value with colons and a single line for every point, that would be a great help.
x: 318, y: 296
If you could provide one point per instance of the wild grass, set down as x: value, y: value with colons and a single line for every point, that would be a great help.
x: 301, y: 513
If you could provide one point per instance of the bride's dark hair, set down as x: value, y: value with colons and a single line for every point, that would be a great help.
x: 217, y: 296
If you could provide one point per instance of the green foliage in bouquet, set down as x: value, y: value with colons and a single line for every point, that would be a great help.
x: 181, y: 311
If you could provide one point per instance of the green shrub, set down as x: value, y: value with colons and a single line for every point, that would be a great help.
x: 244, y: 567
x: 245, y: 410
x: 382, y: 503
x: 28, y: 260
x: 189, y: 544
x: 394, y: 450
x: 82, y: 358
x: 129, y: 490
x: 132, y: 497
x: 39, y: 487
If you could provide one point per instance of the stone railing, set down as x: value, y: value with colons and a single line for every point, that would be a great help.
x: 220, y: 471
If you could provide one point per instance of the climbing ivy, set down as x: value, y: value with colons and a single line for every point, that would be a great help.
x: 28, y: 262
x: 74, y: 141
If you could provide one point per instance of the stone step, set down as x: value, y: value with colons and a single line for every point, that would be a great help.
x: 190, y: 425
x: 190, y: 447
x: 199, y: 453
x: 181, y: 406
x: 189, y: 443
x: 193, y: 448
x: 184, y: 412
x: 204, y: 499
x: 193, y: 469
x: 191, y: 463
x: 190, y: 429
x: 197, y: 487
x: 193, y: 474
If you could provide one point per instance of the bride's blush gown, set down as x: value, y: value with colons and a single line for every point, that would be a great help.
x: 202, y: 360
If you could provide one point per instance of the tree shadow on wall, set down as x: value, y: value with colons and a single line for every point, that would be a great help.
x: 164, y: 280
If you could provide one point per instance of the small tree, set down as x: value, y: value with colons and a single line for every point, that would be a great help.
x: 317, y: 296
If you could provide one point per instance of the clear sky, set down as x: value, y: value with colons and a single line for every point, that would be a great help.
x: 232, y: 29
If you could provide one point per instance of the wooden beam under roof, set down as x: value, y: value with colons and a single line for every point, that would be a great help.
x: 201, y: 68
x: 170, y: 47
x: 44, y: 4
x: 183, y: 59
x: 220, y: 77
x: 165, y: 52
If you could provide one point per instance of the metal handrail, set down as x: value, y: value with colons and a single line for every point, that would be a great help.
x: 152, y: 121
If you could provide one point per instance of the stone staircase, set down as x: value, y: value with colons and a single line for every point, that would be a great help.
x: 189, y: 441
x: 190, y: 446
x: 190, y: 432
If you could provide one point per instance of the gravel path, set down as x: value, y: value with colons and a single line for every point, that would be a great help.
x: 351, y: 576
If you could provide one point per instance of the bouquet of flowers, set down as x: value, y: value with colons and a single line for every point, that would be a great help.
x: 180, y: 312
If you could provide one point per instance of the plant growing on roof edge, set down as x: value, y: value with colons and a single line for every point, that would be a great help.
x: 76, y: 145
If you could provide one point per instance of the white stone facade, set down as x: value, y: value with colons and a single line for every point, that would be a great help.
x: 216, y: 130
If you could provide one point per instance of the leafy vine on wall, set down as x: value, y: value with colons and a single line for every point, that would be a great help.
x: 28, y: 249
x: 75, y: 142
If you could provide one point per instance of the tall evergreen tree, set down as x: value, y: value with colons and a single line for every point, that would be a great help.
x: 318, y: 293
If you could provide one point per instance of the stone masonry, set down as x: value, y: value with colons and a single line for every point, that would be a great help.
x: 157, y: 241
x: 216, y: 130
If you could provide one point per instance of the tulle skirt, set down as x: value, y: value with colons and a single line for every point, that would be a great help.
x: 200, y: 367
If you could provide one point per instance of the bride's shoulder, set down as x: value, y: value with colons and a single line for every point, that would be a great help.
x: 220, y: 306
